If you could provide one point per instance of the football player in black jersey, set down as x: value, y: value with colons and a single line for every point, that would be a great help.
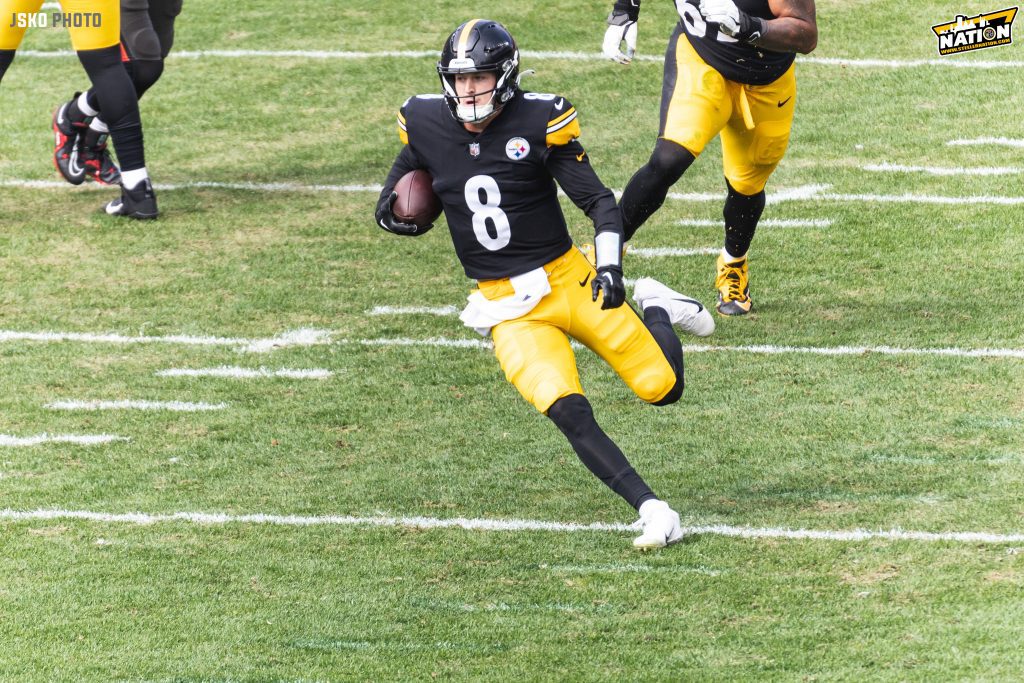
x: 728, y: 70
x: 147, y: 33
x: 495, y: 153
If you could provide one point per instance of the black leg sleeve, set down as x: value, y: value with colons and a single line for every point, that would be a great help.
x: 6, y: 57
x: 659, y: 323
x: 648, y: 187
x: 575, y: 418
x: 118, y: 102
x: 742, y: 212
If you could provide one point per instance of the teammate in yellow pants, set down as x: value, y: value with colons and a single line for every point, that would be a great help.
x: 494, y: 153
x: 95, y: 28
x: 728, y: 70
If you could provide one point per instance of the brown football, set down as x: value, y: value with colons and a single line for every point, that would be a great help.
x: 416, y: 202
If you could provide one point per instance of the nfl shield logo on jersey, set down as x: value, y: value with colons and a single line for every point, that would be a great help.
x: 517, y: 148
x: 474, y: 149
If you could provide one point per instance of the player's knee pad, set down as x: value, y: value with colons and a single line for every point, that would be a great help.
x: 659, y: 387
x: 572, y: 414
x: 137, y: 34
x: 673, y: 395
x: 670, y: 159
x: 770, y: 141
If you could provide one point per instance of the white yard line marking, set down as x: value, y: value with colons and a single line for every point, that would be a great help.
x: 1003, y: 142
x: 798, y: 193
x: 231, y: 372
x: 655, y: 252
x: 176, y: 406
x: 973, y: 201
x: 943, y: 171
x: 203, y: 184
x: 766, y: 223
x: 952, y: 63
x: 302, y: 337
x: 413, y: 310
x: 430, y: 341
x: 626, y: 567
x: 760, y: 349
x: 895, y: 534
x: 79, y: 439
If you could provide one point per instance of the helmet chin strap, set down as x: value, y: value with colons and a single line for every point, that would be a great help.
x: 476, y: 113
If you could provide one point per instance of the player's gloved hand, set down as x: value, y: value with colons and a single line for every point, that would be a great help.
x: 621, y: 29
x: 609, y: 281
x: 386, y: 219
x: 732, y: 21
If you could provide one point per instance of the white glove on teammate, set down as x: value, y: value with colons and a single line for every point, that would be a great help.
x: 731, y: 20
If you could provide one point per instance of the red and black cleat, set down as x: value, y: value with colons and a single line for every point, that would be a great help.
x: 97, y: 162
x: 66, y: 152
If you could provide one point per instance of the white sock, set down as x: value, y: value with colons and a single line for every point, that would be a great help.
x: 83, y: 105
x: 131, y: 179
x: 729, y: 257
x: 98, y: 125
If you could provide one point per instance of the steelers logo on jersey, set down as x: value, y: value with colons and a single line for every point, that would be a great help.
x: 517, y: 148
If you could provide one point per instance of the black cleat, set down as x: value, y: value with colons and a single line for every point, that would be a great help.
x: 66, y: 152
x: 139, y: 202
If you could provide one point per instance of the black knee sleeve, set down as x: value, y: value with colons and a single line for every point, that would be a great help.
x: 659, y: 323
x: 575, y: 418
x: 118, y: 102
x: 6, y: 57
x: 144, y: 73
x: 163, y: 13
x: 741, y: 212
x: 648, y: 187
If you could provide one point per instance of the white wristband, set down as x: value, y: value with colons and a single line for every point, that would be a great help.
x: 608, y: 247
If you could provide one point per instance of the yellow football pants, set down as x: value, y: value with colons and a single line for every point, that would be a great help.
x: 105, y: 32
x: 754, y: 120
x: 534, y: 351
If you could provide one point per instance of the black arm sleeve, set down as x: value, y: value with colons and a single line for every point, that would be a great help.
x: 570, y: 166
x: 405, y: 161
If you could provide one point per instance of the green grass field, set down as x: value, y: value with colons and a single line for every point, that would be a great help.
x: 761, y: 444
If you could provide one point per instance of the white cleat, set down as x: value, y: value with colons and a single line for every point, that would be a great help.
x: 660, y: 525
x: 689, y: 315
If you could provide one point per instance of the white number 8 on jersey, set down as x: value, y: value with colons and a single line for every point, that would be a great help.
x: 489, y: 208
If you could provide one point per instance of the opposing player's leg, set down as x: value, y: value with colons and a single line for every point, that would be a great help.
x: 752, y: 147
x: 694, y: 108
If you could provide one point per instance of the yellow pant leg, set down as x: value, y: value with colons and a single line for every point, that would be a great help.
x: 617, y: 335
x: 104, y: 17
x: 750, y: 156
x: 537, y: 359
x: 10, y: 36
x: 699, y: 105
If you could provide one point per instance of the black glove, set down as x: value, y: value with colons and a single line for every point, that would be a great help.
x: 387, y: 220
x: 609, y: 280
